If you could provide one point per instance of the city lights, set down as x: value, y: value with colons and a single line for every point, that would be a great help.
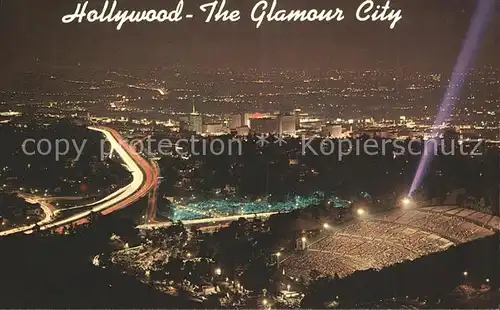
x: 350, y: 174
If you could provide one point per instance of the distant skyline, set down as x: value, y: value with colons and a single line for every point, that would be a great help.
x: 428, y: 37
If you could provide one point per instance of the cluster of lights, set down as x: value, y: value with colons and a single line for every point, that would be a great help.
x: 466, y: 273
x: 193, y: 209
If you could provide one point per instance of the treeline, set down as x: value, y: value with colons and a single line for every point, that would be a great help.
x: 295, y: 169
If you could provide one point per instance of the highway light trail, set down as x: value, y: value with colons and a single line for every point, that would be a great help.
x: 143, y: 179
x: 479, y: 21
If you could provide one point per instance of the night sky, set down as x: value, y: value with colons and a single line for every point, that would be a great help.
x: 427, y: 38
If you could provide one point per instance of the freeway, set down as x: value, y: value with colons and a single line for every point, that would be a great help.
x: 144, y: 177
x: 46, y: 207
x: 153, y: 197
x: 210, y: 222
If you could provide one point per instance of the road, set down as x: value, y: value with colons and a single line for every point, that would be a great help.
x: 153, y: 197
x: 144, y: 177
x: 49, y: 210
x: 46, y: 207
x: 210, y: 223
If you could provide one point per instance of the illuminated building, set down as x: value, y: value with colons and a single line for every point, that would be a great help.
x: 214, y: 129
x: 265, y: 125
x: 195, y: 121
x: 246, y: 120
x: 236, y: 121
x: 242, y: 131
x: 287, y: 125
x: 312, y: 124
x: 297, y: 112
x: 333, y: 131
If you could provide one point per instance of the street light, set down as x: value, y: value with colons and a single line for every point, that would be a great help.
x: 218, y: 271
x: 406, y: 201
x: 264, y: 302
x: 326, y: 226
x: 304, y: 240
x: 278, y: 254
x: 288, y: 287
x: 360, y: 211
x: 465, y: 273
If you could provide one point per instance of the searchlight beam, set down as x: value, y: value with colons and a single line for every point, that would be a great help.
x: 479, y: 21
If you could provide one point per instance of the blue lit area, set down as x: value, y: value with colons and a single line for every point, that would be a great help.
x: 193, y: 209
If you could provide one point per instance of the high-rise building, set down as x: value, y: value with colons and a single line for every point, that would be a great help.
x: 297, y: 112
x: 246, y: 120
x: 236, y: 121
x: 287, y: 125
x: 265, y: 125
x: 195, y: 121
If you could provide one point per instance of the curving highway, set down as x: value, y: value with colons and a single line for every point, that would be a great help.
x: 144, y: 177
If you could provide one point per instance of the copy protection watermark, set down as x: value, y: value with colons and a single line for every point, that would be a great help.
x: 216, y: 146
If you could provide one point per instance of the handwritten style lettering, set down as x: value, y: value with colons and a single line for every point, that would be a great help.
x: 365, y: 12
x: 121, y: 17
x: 260, y: 13
x: 263, y: 11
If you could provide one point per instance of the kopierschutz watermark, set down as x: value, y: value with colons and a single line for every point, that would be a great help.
x: 217, y: 146
x: 381, y: 147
